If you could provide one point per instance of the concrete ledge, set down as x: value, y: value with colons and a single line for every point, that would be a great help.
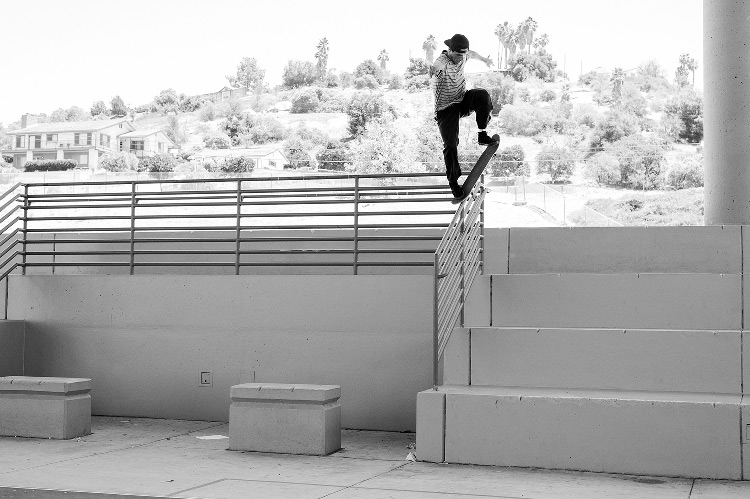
x: 649, y: 433
x: 45, y: 407
x: 431, y: 426
x: 614, y: 359
x: 286, y: 418
x: 628, y: 301
x: 12, y: 335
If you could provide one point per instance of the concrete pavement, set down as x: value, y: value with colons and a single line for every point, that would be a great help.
x: 128, y: 457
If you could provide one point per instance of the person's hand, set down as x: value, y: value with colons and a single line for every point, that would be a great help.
x: 489, y: 62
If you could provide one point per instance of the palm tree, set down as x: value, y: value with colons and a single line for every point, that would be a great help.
x: 522, y: 29
x: 500, y: 33
x: 541, y: 42
x: 617, y: 79
x: 531, y: 27
x: 687, y: 63
x: 429, y: 46
x: 512, y: 40
x: 383, y: 58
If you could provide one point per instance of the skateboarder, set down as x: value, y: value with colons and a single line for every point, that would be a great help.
x: 453, y: 102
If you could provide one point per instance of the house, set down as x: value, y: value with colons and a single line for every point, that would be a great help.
x: 146, y: 142
x: 81, y: 141
x: 225, y: 94
x: 265, y: 157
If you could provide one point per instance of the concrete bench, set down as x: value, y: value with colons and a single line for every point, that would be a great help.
x: 292, y: 419
x: 45, y: 407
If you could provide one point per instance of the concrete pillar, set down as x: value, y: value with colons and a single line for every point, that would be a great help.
x: 726, y: 70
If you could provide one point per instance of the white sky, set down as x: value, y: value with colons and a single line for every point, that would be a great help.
x: 75, y: 52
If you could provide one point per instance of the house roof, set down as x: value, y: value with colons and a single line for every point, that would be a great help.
x: 67, y: 126
x: 250, y: 152
x: 141, y: 133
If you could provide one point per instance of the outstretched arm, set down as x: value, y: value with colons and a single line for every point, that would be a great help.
x: 486, y: 60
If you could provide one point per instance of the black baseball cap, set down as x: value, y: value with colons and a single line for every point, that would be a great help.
x: 458, y: 43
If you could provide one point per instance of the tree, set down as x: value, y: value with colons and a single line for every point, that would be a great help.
x: 382, y: 149
x: 416, y: 77
x: 555, y: 161
x: 504, y: 34
x: 174, y: 131
x: 641, y: 160
x: 687, y: 65
x: 99, y: 107
x: 117, y: 106
x: 299, y: 74
x: 334, y: 156
x: 531, y: 27
x: 429, y: 46
x: 383, y: 58
x: 364, y: 108
x: 541, y: 42
x: 686, y: 110
x: 167, y: 100
x: 617, y: 79
x: 248, y: 74
x: 322, y: 57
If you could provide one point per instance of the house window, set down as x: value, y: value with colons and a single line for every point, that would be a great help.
x: 78, y: 139
x: 51, y: 137
x: 104, y: 140
x: 21, y: 141
x: 37, y: 141
x: 161, y: 146
x: 136, y: 145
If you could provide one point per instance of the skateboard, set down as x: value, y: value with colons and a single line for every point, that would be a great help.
x: 479, y: 167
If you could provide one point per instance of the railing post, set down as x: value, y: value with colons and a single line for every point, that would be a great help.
x: 481, y: 225
x: 462, y: 258
x: 239, y: 228
x: 132, y: 227
x: 356, y: 225
x: 435, y: 324
x: 25, y: 226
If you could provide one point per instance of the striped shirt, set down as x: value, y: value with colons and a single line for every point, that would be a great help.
x: 448, y: 82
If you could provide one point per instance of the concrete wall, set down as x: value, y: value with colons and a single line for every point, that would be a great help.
x: 11, y: 348
x: 144, y: 340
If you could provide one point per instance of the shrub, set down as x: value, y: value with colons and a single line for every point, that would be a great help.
x: 641, y: 160
x: 366, y: 68
x: 334, y: 157
x: 208, y: 111
x: 525, y: 119
x: 557, y: 162
x: 615, y: 125
x: 333, y: 104
x: 297, y: 151
x: 261, y: 129
x: 121, y: 161
x: 603, y: 168
x: 190, y: 104
x: 396, y: 82
x: 240, y: 164
x: 50, y: 165
x: 158, y: 163
x: 686, y: 173
x: 217, y: 140
x: 586, y: 115
x: 510, y: 162
x: 365, y: 81
x: 305, y: 101
x: 548, y: 95
x: 523, y: 66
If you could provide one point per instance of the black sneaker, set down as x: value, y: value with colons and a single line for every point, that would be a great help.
x: 486, y: 140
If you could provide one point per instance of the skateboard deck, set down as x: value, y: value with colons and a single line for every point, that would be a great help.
x: 479, y: 167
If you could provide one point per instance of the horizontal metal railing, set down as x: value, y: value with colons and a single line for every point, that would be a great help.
x: 351, y: 221
x: 457, y: 261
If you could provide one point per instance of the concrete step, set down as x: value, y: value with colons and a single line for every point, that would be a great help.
x: 645, y: 433
x: 611, y: 250
x: 627, y: 301
x: 613, y: 359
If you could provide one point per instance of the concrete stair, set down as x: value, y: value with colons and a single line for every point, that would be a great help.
x: 612, y: 350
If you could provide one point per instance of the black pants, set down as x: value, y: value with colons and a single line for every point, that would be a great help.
x: 476, y: 100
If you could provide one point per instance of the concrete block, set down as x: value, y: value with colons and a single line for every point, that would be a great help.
x: 456, y: 357
x: 286, y: 418
x: 11, y: 347
x: 431, y: 426
x: 627, y: 301
x: 702, y: 249
x: 478, y: 307
x: 57, y: 408
x: 745, y: 428
x: 496, y: 250
x: 610, y: 359
x: 641, y: 433
x: 746, y: 362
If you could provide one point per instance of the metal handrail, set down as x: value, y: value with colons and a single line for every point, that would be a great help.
x: 344, y: 217
x: 457, y: 261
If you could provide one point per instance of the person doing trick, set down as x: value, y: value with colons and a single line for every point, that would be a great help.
x: 453, y: 102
